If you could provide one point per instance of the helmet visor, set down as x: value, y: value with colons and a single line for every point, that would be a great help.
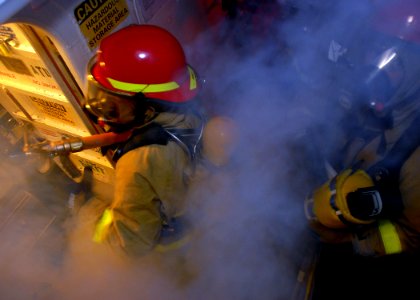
x: 109, y: 106
x: 377, y: 70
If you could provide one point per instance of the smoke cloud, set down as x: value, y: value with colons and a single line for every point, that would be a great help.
x: 249, y: 237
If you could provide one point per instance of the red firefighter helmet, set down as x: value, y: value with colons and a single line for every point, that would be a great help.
x: 134, y: 63
x: 146, y: 59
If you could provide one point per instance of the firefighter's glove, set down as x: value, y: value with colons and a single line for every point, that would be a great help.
x: 330, y: 235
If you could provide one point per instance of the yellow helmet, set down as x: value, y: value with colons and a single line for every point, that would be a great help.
x: 330, y: 205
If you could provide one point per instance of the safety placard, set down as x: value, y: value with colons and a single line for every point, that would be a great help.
x: 55, y: 112
x: 21, y: 66
x: 53, y: 109
x: 20, y: 71
x: 97, y: 18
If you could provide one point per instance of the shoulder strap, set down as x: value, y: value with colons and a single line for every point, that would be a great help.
x: 400, y: 152
x: 386, y: 173
x: 188, y: 139
x: 150, y: 134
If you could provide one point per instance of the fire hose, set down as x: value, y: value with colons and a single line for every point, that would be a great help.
x: 76, y: 144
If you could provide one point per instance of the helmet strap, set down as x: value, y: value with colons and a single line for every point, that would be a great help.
x: 150, y: 114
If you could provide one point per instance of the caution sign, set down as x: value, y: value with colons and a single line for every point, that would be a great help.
x: 97, y: 18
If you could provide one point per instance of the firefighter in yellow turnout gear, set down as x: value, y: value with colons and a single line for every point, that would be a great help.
x: 140, y: 81
x: 374, y: 200
x: 365, y: 210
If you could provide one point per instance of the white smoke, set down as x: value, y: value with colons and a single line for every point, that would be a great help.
x: 249, y: 236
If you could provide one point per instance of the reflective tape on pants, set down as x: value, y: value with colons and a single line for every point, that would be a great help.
x: 102, y: 226
x: 390, y: 238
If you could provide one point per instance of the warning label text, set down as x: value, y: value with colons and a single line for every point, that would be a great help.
x: 97, y: 18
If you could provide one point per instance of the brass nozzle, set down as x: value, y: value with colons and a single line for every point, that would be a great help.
x: 64, y: 146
